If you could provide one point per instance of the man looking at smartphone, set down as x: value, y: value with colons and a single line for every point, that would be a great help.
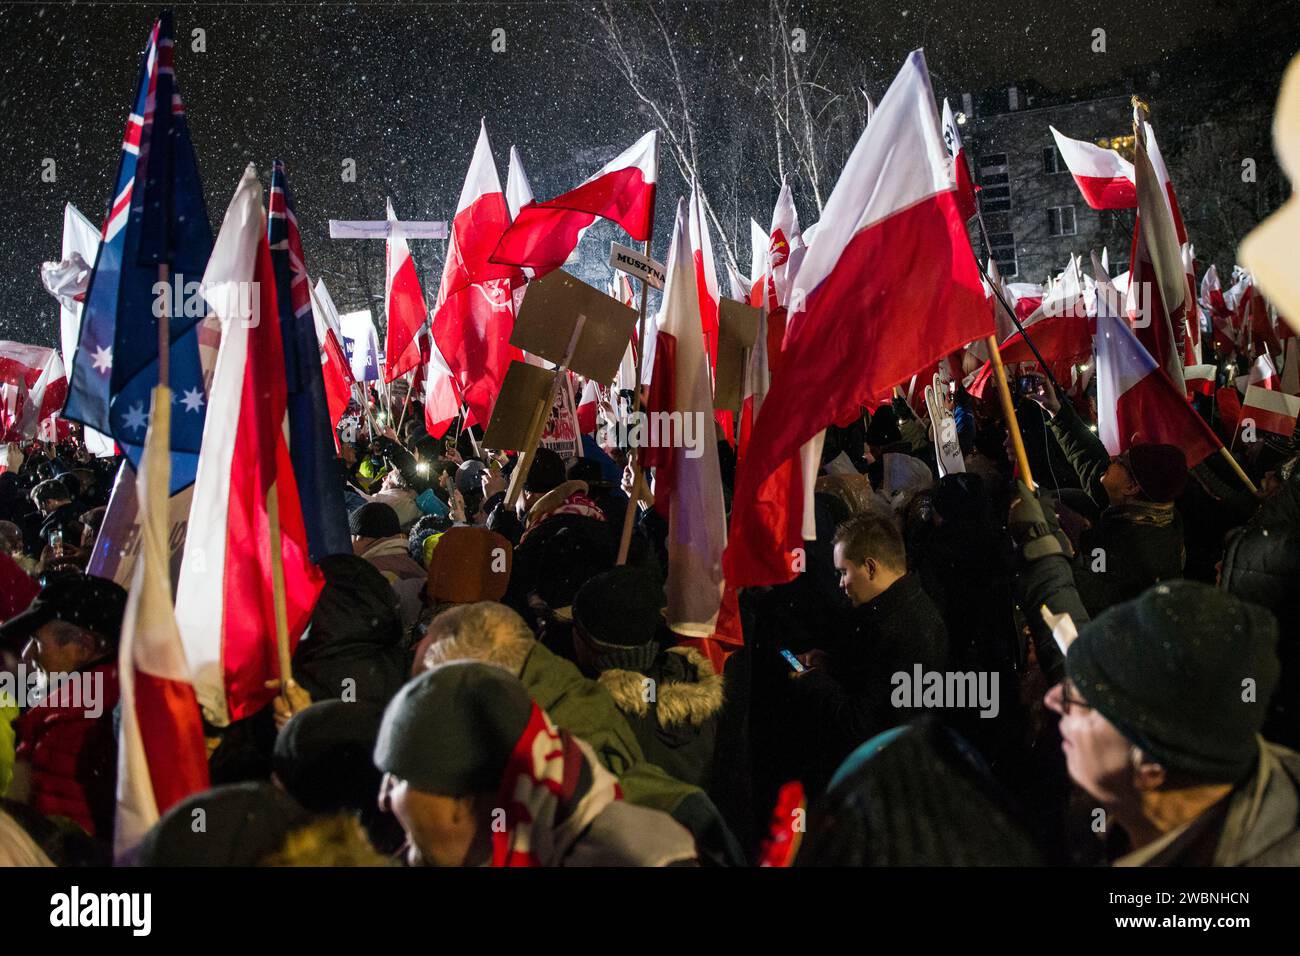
x: 896, y: 627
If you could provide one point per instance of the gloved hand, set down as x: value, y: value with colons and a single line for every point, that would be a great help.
x: 1034, y: 527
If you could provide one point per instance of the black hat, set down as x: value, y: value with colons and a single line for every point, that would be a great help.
x: 451, y: 730
x: 243, y: 822
x: 1159, y: 470
x: 1185, y: 671
x: 51, y: 489
x: 323, y: 756
x: 883, y: 428
x: 95, y: 604
x: 545, y: 473
x: 374, y: 519
x: 618, y: 612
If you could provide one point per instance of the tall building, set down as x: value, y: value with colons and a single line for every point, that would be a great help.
x: 1030, y: 205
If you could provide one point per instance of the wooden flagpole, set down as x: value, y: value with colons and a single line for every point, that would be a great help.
x: 1009, y: 412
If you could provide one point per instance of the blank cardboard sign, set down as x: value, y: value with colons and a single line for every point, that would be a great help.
x: 524, y: 389
x: 549, y: 313
x: 738, y: 326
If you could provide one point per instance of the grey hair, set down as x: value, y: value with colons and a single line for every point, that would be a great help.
x: 486, y: 631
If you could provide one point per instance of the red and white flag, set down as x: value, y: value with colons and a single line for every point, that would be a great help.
x: 688, y: 483
x: 475, y: 314
x: 1263, y: 374
x: 1158, y: 286
x: 35, y: 387
x: 403, y: 305
x: 225, y: 604
x: 623, y: 190
x: 706, y: 273
x: 335, y: 370
x: 442, y: 401
x: 891, y: 287
x: 1199, y: 379
x: 519, y: 192
x: 1271, y: 411
x: 1136, y: 401
x: 161, y: 754
x: 1105, y: 178
x: 588, y: 406
x: 961, y: 168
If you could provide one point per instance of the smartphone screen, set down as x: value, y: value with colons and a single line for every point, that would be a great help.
x: 792, y: 661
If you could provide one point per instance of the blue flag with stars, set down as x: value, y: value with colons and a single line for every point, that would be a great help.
x: 157, y: 226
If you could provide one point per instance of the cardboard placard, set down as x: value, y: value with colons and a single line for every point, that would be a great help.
x: 525, y: 388
x: 549, y: 313
x: 738, y: 326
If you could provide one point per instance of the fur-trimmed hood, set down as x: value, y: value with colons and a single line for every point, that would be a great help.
x: 687, y: 690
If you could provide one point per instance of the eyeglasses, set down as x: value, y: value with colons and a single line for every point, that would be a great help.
x: 1067, y: 700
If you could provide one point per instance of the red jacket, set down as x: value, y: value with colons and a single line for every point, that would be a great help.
x: 73, y: 757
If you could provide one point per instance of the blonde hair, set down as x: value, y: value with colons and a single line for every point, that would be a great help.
x: 485, y: 631
x: 17, y: 848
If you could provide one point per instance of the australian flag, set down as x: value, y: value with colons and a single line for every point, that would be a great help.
x: 156, y: 242
x: 311, y: 440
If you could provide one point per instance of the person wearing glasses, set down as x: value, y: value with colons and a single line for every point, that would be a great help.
x: 1161, y: 708
x: 1138, y: 539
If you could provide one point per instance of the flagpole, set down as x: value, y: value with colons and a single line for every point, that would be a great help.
x: 634, y: 495
x: 1232, y: 462
x: 1009, y: 412
x: 164, y: 331
x: 277, y: 592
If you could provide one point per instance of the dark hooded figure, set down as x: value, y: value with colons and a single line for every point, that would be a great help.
x: 916, y: 795
x: 354, y: 650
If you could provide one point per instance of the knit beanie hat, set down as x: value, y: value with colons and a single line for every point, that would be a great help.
x: 1159, y: 470
x: 545, y: 473
x: 374, y: 519
x: 618, y: 612
x: 1170, y: 669
x: 323, y: 759
x: 451, y: 730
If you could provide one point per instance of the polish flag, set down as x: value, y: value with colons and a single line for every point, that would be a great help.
x: 475, y: 314
x: 545, y: 233
x: 335, y: 370
x: 161, y: 756
x: 1199, y: 379
x: 1271, y: 411
x: 785, y: 252
x: 1105, y: 178
x: 519, y: 193
x: 688, y: 489
x: 757, y: 263
x: 588, y: 405
x: 442, y: 400
x: 961, y: 168
x: 1263, y: 374
x: 706, y: 273
x: 1157, y: 281
x: 225, y: 604
x: 891, y: 287
x: 1215, y: 304
x: 1136, y: 401
x: 404, y: 306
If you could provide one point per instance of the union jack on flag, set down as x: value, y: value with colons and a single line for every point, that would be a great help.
x: 157, y: 226
x: 311, y: 427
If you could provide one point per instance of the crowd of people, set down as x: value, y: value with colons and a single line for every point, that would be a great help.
x: 486, y: 685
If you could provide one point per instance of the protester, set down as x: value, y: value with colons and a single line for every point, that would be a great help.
x: 847, y: 692
x: 467, y: 778
x: 672, y: 698
x: 377, y: 538
x: 66, y: 758
x: 1161, y: 708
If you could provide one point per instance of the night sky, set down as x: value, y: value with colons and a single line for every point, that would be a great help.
x: 400, y: 87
